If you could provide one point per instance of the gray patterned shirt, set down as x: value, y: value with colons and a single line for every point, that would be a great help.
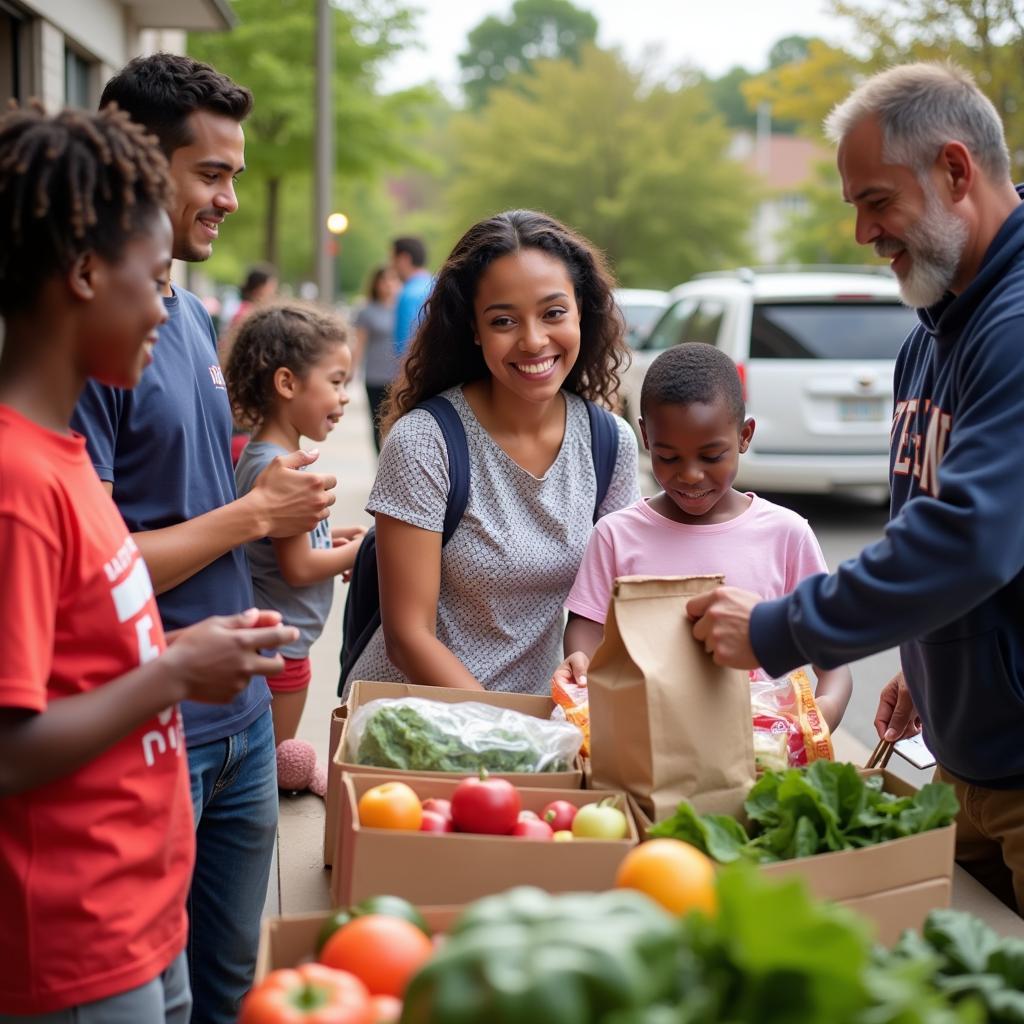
x: 510, y: 564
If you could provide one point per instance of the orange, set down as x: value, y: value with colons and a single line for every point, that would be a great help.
x: 391, y: 805
x: 673, y: 873
x: 382, y: 952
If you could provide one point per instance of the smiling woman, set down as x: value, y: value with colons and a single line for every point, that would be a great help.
x: 520, y: 333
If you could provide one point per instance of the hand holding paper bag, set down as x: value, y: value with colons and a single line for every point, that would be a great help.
x: 666, y: 723
x: 723, y: 625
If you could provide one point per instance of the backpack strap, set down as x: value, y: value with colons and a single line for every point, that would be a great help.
x: 454, y: 433
x: 604, y: 449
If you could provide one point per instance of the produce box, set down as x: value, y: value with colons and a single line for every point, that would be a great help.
x: 453, y: 868
x: 363, y: 692
x: 894, y: 884
x: 290, y: 940
x: 338, y: 717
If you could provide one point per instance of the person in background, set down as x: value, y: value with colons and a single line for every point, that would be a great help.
x: 286, y: 380
x: 97, y: 843
x: 924, y: 162
x: 260, y: 286
x: 695, y: 426
x: 521, y: 327
x: 374, y: 347
x: 409, y: 262
x: 163, y: 450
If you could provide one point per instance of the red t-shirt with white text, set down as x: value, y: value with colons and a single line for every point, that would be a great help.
x: 94, y: 867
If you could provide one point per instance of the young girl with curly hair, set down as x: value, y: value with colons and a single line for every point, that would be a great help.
x: 520, y: 330
x: 286, y: 378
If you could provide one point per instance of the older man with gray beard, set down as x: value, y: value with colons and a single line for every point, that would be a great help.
x: 925, y: 165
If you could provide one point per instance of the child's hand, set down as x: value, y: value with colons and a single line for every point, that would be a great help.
x: 346, y: 534
x: 572, y: 670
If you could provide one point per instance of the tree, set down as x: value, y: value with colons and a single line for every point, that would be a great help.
x: 500, y: 48
x: 638, y: 167
x: 272, y: 52
x: 788, y: 50
x: 726, y: 95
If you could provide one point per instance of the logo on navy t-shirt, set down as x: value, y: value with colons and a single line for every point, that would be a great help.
x: 217, y: 376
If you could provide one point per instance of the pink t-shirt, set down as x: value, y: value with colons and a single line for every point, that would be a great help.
x: 767, y: 549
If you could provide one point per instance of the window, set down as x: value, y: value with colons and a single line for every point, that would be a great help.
x: 671, y: 328
x: 78, y: 79
x: 13, y: 43
x: 706, y: 322
x: 829, y: 330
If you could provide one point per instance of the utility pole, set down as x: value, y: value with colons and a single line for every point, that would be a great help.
x: 324, y: 177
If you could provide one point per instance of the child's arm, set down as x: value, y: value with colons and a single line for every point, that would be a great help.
x: 832, y: 693
x: 582, y: 638
x: 210, y: 662
x: 302, y: 565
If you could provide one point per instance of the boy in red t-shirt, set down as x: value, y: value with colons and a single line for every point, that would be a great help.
x: 97, y: 842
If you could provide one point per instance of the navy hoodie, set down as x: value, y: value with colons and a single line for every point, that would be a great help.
x: 946, y: 582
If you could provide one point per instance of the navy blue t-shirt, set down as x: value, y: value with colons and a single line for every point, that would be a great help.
x: 166, y: 446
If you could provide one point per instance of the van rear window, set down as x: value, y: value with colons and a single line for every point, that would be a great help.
x: 829, y: 330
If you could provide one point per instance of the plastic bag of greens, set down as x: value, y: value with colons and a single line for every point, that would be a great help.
x: 425, y: 735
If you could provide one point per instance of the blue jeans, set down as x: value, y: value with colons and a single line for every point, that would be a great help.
x: 234, y: 796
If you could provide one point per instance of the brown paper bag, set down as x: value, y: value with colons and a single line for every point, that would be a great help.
x: 666, y: 723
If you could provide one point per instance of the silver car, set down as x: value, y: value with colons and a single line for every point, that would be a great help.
x: 815, y: 350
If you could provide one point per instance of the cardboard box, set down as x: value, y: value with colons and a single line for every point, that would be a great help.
x: 454, y: 868
x: 291, y: 940
x: 363, y: 692
x: 894, y: 884
x: 338, y: 717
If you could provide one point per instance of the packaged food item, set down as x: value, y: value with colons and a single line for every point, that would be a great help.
x: 415, y: 734
x: 789, y: 730
x: 572, y: 704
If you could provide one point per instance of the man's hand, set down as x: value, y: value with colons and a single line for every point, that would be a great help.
x: 572, y: 670
x: 896, y: 717
x: 290, y: 501
x: 214, y: 660
x: 722, y: 625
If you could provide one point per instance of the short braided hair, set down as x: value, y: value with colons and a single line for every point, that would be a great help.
x: 292, y: 334
x: 69, y: 184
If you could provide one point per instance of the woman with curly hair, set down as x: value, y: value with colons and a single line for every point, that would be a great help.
x: 520, y: 332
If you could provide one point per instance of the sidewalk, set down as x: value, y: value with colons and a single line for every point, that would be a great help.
x: 299, y: 881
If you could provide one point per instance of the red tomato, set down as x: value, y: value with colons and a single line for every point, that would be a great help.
x: 386, y: 1009
x: 383, y: 952
x: 485, y: 805
x: 434, y: 822
x: 533, y: 828
x: 559, y: 814
x: 438, y: 806
x: 310, y: 994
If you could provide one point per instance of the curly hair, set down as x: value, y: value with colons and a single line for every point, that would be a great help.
x: 693, y: 373
x: 71, y: 184
x: 443, y: 353
x: 161, y: 90
x: 292, y: 334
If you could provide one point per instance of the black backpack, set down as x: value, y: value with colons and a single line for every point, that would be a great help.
x: 362, y: 605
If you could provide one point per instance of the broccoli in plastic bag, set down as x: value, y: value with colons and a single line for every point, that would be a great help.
x: 416, y: 734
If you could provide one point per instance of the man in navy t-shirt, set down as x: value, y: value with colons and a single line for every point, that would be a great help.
x: 164, y: 450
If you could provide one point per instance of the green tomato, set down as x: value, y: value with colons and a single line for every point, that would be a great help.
x: 337, y: 920
x: 599, y: 821
x: 391, y: 906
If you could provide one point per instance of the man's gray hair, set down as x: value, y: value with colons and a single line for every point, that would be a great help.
x: 921, y: 107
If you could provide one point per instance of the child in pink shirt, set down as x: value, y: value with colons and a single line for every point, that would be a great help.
x: 694, y: 424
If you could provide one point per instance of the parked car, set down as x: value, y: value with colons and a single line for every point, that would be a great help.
x: 641, y: 308
x: 815, y: 350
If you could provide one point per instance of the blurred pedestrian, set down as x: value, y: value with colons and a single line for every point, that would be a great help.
x: 260, y: 285
x: 409, y: 262
x: 374, y: 346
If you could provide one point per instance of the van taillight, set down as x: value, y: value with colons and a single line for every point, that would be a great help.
x: 742, y: 371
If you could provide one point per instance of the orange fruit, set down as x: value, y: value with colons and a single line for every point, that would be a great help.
x: 382, y: 952
x: 673, y: 873
x: 391, y: 805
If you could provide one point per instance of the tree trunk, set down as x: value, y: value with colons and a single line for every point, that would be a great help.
x: 270, y: 242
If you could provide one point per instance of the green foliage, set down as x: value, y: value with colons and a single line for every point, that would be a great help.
x: 801, y: 812
x: 272, y: 52
x: 640, y: 168
x: 726, y: 96
x: 500, y: 48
